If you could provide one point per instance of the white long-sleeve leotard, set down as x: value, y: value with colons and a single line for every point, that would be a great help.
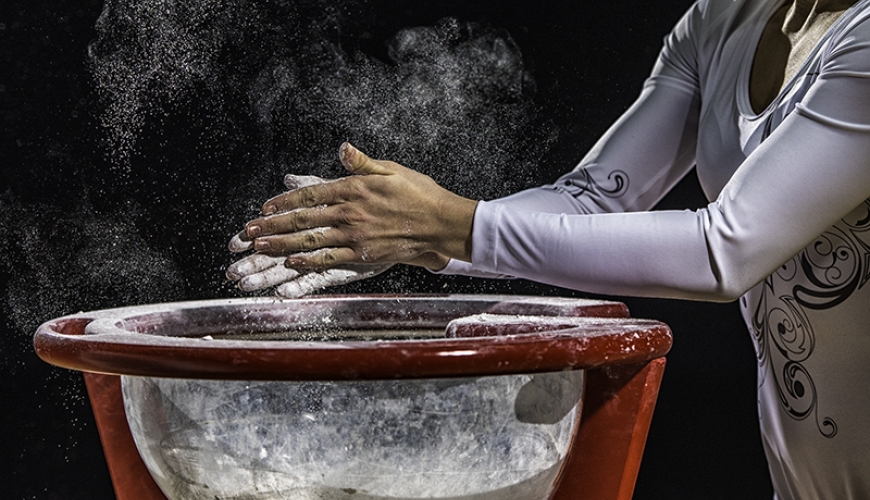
x: 787, y: 230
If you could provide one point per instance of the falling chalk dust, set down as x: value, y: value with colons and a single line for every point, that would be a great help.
x: 204, y: 106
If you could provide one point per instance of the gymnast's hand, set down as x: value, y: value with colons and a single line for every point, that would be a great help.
x: 259, y: 271
x: 383, y: 214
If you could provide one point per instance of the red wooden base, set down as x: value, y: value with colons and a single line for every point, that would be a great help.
x: 608, y: 448
x: 131, y: 479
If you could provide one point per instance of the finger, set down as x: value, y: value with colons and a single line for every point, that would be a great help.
x: 252, y: 264
x: 301, y: 181
x: 311, y: 282
x: 324, y: 258
x: 238, y: 244
x: 304, y: 285
x: 314, y: 195
x: 288, y: 222
x: 307, y: 240
x: 273, y: 276
x: 357, y: 162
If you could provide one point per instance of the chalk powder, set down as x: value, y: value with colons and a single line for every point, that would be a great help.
x: 282, y: 88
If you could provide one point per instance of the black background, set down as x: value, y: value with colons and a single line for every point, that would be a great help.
x: 588, y: 60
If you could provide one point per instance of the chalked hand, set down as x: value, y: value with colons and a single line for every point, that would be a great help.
x: 241, y: 243
x: 384, y: 213
x: 259, y: 271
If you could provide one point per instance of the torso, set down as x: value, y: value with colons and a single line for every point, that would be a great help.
x: 810, y: 320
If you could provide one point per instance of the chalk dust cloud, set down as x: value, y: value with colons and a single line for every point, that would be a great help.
x: 201, y: 107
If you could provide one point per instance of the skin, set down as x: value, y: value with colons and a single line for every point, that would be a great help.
x: 386, y: 213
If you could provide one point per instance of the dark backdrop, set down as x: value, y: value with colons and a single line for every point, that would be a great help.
x: 151, y: 235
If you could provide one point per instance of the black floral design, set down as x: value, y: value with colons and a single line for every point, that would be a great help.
x: 832, y: 268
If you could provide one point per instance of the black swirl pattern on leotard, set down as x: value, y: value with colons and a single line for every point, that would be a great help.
x: 582, y: 182
x: 834, y: 266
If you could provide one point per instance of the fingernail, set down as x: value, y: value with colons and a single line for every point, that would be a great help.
x: 253, y: 231
x: 345, y: 152
x: 238, y: 245
x: 262, y: 245
x: 269, y: 210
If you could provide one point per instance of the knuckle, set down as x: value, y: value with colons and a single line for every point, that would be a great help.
x: 356, y: 235
x: 276, y: 246
x: 328, y: 259
x: 277, y: 204
x: 300, y: 220
x: 347, y: 216
x: 309, y: 197
x: 311, y: 240
x: 358, y: 188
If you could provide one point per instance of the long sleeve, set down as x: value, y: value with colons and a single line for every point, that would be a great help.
x: 811, y: 172
x: 629, y: 169
x: 639, y: 159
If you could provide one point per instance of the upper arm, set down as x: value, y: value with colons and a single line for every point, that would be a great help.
x: 809, y: 177
x: 646, y: 151
x: 811, y: 172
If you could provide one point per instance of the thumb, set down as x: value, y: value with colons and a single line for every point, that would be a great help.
x: 358, y: 163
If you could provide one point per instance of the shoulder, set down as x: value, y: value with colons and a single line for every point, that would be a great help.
x: 856, y: 25
x: 725, y: 14
x: 708, y: 25
x: 709, y: 22
x: 849, y: 44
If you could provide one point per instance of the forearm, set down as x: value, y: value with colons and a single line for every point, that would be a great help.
x: 659, y: 254
x: 630, y: 168
x: 787, y: 193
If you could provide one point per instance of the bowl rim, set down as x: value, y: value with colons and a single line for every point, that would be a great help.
x: 492, y: 335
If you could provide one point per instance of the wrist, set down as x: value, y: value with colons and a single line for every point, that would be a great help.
x: 432, y: 261
x: 455, y: 238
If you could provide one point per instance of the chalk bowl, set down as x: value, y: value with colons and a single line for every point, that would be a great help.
x: 373, y: 397
x: 432, y: 438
